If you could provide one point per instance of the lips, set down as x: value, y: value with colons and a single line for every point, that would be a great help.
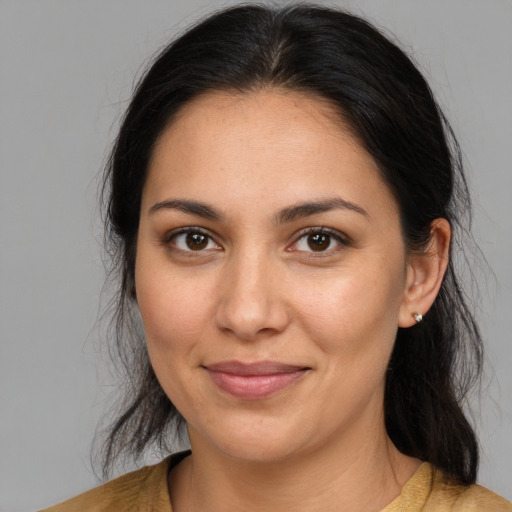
x: 256, y: 380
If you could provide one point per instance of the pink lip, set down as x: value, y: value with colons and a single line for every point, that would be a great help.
x: 255, y: 380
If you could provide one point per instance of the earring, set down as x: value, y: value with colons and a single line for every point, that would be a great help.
x: 418, y: 317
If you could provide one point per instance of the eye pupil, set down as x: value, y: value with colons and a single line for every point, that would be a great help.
x: 196, y: 241
x: 318, y: 241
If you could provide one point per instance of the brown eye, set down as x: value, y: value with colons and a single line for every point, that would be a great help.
x: 191, y: 240
x: 319, y: 241
x: 196, y: 241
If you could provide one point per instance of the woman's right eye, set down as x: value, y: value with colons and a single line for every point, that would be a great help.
x: 192, y: 241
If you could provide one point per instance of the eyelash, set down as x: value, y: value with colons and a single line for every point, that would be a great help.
x: 170, y: 237
x: 342, y: 240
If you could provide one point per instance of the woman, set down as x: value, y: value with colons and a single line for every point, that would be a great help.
x: 283, y: 197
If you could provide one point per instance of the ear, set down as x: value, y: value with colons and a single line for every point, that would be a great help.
x: 425, y: 272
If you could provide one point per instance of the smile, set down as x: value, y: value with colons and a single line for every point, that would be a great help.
x: 254, y: 381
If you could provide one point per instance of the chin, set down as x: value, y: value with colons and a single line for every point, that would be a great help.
x: 257, y: 441
x: 259, y: 451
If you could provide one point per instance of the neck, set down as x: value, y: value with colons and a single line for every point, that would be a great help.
x: 334, y: 477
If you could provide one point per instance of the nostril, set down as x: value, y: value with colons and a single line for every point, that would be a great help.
x: 249, y: 320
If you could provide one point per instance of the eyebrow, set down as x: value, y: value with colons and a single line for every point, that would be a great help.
x: 284, y: 216
x: 311, y: 208
x: 188, y: 206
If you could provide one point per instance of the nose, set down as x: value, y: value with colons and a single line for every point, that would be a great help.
x: 252, y: 303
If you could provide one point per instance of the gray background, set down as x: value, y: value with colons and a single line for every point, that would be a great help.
x: 66, y: 71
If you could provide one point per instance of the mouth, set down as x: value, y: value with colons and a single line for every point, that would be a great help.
x: 254, y: 381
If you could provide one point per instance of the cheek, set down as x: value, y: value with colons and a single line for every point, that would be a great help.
x: 175, y: 314
x: 174, y: 311
x: 354, y: 311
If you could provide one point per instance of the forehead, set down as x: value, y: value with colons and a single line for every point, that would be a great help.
x: 265, y: 112
x: 276, y: 145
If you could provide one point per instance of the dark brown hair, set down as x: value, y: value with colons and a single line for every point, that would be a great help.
x: 380, y: 93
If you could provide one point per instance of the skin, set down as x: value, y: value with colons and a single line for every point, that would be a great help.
x: 256, y: 291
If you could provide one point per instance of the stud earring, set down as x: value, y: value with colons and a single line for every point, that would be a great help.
x: 418, y: 317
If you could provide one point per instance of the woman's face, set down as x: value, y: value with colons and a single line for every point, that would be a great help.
x: 270, y: 275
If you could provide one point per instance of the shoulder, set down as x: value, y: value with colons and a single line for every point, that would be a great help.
x: 446, y: 495
x: 429, y: 490
x: 146, y: 487
x: 467, y: 498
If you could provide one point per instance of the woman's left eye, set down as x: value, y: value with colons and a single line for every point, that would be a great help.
x: 318, y: 241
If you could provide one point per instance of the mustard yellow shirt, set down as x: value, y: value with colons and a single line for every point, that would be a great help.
x: 146, y: 490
